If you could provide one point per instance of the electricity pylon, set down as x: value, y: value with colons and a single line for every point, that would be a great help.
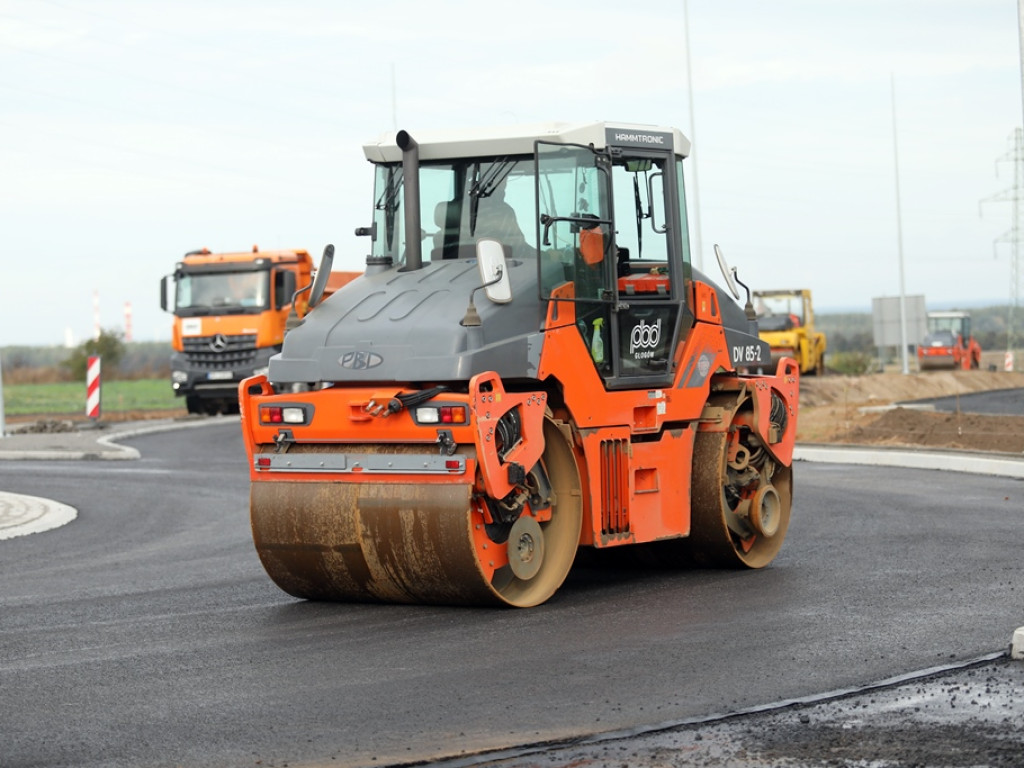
x: 1012, y: 237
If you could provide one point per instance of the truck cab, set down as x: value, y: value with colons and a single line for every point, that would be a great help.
x: 230, y: 312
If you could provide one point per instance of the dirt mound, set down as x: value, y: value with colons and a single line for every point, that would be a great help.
x: 49, y: 426
x: 881, y: 388
x: 851, y: 409
x: 966, y: 431
x: 72, y: 421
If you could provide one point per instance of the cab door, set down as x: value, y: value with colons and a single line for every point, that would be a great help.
x: 606, y: 224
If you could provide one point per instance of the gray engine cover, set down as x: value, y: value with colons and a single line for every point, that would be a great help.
x: 405, y: 326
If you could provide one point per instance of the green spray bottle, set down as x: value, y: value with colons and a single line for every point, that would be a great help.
x: 597, y: 342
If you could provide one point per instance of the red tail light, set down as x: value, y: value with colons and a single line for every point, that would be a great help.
x: 285, y: 414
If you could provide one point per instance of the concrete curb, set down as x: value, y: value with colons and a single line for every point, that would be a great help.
x: 995, y: 464
x: 115, y: 453
x: 21, y: 515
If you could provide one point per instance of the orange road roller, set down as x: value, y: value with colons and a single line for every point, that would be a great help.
x: 529, y: 367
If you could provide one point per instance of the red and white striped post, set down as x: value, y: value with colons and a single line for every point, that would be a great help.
x: 127, y: 321
x: 92, y: 387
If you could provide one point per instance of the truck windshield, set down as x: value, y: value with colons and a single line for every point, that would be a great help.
x: 222, y: 292
x: 461, y: 201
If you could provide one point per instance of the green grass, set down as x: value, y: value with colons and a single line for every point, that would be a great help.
x: 69, y: 397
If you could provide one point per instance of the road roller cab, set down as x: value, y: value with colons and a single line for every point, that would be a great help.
x: 529, y: 365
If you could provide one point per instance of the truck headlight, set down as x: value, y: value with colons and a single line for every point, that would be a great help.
x: 179, y: 377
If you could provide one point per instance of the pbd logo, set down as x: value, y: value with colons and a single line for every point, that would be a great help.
x: 360, y: 361
x: 644, y: 339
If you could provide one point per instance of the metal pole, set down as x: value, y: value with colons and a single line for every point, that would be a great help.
x: 693, y: 142
x: 1012, y: 364
x: 394, y: 98
x: 1020, y: 35
x: 899, y: 234
x: 3, y: 421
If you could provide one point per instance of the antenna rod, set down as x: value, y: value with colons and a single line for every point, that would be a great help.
x: 899, y: 234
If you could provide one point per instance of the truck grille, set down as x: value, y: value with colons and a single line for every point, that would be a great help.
x: 220, y: 351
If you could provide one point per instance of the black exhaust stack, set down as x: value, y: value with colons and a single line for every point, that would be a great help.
x: 411, y: 200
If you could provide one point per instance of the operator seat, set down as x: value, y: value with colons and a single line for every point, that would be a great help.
x: 448, y: 232
x: 496, y: 218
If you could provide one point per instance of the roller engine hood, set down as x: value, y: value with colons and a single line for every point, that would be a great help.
x: 399, y: 326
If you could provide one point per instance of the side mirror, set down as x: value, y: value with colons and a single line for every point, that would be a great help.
x: 490, y: 259
x: 731, y: 280
x: 163, y: 292
x: 656, y: 195
x: 729, y: 274
x: 322, y: 273
x: 287, y: 290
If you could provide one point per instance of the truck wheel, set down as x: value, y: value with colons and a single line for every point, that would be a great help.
x: 194, y: 404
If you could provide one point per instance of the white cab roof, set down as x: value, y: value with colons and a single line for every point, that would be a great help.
x: 519, y: 139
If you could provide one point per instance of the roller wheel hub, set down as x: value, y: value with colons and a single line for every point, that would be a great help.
x: 525, y: 547
x: 766, y: 511
x: 739, y: 517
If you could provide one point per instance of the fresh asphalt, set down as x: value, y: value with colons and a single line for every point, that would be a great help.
x: 22, y: 515
x: 96, y: 441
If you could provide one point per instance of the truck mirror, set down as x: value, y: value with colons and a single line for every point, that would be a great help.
x: 286, y: 292
x: 163, y: 292
x: 490, y: 259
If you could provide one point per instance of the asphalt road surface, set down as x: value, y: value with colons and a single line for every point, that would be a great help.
x: 996, y: 401
x: 145, y: 633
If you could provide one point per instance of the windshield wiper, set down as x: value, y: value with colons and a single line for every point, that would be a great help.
x: 484, y: 186
x: 492, y: 178
x: 387, y: 199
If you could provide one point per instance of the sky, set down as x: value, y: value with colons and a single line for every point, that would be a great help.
x: 833, y: 141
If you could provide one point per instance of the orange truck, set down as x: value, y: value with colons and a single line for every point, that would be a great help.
x: 949, y: 343
x: 230, y: 315
x: 530, y: 368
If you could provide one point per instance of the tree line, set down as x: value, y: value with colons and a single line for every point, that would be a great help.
x: 121, y: 360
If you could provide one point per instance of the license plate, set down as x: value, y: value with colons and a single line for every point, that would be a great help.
x: 219, y: 375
